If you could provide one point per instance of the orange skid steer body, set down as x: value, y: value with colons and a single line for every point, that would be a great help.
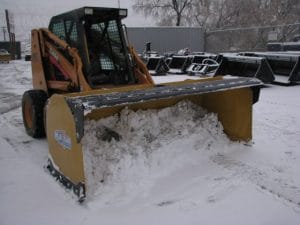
x: 83, y: 69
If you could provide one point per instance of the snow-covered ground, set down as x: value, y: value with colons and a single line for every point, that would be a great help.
x: 192, y: 174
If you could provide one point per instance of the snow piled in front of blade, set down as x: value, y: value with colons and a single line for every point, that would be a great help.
x: 126, y: 152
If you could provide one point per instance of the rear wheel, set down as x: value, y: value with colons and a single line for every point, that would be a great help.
x: 33, y: 103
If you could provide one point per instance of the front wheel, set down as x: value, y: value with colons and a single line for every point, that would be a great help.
x: 33, y: 103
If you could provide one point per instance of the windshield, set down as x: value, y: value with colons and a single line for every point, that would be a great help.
x: 106, y: 51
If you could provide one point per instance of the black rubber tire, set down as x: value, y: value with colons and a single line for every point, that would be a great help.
x: 27, y: 57
x: 33, y: 103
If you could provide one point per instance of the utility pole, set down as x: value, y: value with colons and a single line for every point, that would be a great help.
x: 11, y: 35
x: 8, y: 24
x: 118, y: 3
x: 4, y: 33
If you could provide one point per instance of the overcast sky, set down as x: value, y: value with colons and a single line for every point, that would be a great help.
x: 47, y: 8
x: 29, y: 14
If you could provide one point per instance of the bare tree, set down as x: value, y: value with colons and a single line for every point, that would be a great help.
x: 239, y: 13
x: 164, y: 11
x: 198, y: 13
x: 247, y: 24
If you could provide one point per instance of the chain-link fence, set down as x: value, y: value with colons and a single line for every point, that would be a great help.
x: 249, y: 39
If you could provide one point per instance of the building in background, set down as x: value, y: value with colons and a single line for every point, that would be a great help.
x: 166, y: 39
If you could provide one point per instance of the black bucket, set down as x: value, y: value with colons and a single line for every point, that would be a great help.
x: 285, y: 65
x: 178, y: 64
x: 157, y: 66
x: 244, y: 66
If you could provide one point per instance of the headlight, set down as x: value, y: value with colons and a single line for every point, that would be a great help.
x: 123, y: 12
x: 88, y: 11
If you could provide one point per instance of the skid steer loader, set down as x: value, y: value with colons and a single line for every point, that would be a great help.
x: 83, y: 69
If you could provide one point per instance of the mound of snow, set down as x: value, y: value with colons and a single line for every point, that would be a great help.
x: 124, y: 153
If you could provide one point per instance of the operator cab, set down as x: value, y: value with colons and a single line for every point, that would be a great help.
x: 98, y: 35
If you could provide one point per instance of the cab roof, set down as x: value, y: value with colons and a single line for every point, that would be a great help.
x: 99, y: 12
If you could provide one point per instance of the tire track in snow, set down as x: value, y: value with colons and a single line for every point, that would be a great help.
x: 273, y: 103
x: 288, y: 134
x: 11, y: 122
x: 279, y: 187
x: 9, y: 101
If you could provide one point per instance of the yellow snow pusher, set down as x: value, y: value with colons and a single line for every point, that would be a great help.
x: 83, y: 69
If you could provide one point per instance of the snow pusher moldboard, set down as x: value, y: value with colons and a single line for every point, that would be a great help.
x: 245, y: 66
x: 83, y: 69
x: 231, y: 99
x: 285, y: 65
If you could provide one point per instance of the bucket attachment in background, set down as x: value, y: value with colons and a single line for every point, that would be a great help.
x: 198, y: 58
x: 284, y: 46
x: 157, y: 65
x: 5, y: 57
x: 205, y: 68
x: 244, y: 66
x: 285, y: 66
x: 231, y: 98
x: 179, y: 63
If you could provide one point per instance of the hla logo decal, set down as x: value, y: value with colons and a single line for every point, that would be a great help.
x: 63, y: 139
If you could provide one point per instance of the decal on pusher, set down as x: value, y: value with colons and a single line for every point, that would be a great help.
x: 63, y: 139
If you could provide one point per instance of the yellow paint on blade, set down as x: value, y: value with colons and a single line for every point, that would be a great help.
x: 233, y: 107
x: 60, y: 119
